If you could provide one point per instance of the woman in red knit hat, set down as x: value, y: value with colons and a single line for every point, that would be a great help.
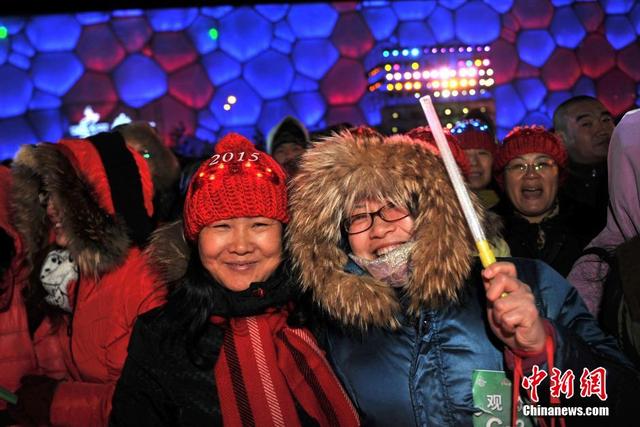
x: 529, y: 166
x: 228, y: 347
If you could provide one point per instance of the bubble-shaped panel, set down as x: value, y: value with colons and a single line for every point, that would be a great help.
x: 352, y: 36
x: 477, y: 23
x: 619, y: 31
x: 4, y: 50
x: 171, y: 19
x: 99, y: 49
x: 535, y: 46
x: 451, y: 4
x: 191, y: 86
x: 303, y: 84
x: 56, y: 72
x: 272, y: 113
x: 309, y: 106
x: 19, y: 44
x: 15, y: 91
x: 554, y: 99
x: 221, y: 67
x: 283, y: 31
x: 203, y: 134
x: 566, y: 28
x: 270, y: 74
x: 199, y: 33
x: 415, y: 33
x: 533, y: 14
x: 127, y: 13
x: 559, y: 3
x: 345, y: 114
x: 52, y: 33
x: 92, y: 87
x: 13, y: 133
x: 532, y: 92
x: 509, y: 107
x: 413, y: 10
x: 312, y: 20
x: 244, y: 33
x: 561, y: 71
x: 92, y: 18
x: 246, y: 109
x: 590, y: 14
x: 616, y: 91
x: 273, y: 12
x: 537, y: 118
x: 19, y: 61
x: 216, y: 12
x: 49, y: 125
x: 43, y: 101
x: 635, y: 18
x: 629, y: 61
x: 14, y: 24
x: 584, y: 86
x: 313, y: 58
x: 139, y: 80
x: 501, y: 6
x: 281, y: 46
x: 133, y: 32
x: 617, y: 6
x: 596, y: 56
x: 526, y: 71
x: 207, y: 120
x: 504, y: 60
x: 345, y: 83
x: 381, y: 21
x: 173, y: 50
x: 441, y: 22
x: 169, y: 114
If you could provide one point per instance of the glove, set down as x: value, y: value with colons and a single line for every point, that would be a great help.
x: 34, y: 400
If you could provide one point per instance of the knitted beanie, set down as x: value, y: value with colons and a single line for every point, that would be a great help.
x: 528, y: 139
x: 237, y: 181
x: 424, y: 134
x: 474, y: 134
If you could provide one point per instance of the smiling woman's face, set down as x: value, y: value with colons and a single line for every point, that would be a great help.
x: 532, y: 194
x: 383, y: 236
x: 240, y: 251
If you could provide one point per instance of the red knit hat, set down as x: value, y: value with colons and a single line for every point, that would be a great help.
x: 528, y: 139
x: 424, y: 134
x: 474, y: 134
x: 237, y: 181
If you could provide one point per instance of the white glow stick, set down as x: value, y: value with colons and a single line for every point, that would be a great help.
x: 486, y: 255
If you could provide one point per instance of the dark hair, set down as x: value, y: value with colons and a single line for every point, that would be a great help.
x: 189, y: 305
x: 560, y: 113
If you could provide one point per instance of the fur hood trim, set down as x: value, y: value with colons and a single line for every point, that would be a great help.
x: 340, y: 170
x: 168, y: 252
x: 97, y: 240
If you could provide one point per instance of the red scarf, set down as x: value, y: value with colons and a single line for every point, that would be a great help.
x: 264, y: 365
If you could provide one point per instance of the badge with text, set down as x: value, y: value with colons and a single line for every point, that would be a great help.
x: 492, y: 392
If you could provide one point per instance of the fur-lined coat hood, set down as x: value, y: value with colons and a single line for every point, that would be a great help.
x: 354, y: 165
x: 73, y: 174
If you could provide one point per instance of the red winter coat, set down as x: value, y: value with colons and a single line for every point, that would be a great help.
x: 85, y: 181
x: 19, y: 353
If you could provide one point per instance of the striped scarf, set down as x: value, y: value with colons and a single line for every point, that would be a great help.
x: 265, y: 367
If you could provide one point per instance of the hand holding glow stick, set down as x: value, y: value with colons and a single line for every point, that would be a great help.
x: 486, y: 255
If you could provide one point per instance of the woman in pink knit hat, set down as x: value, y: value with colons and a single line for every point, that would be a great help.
x: 529, y: 166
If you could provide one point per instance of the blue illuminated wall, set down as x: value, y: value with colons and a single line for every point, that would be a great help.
x: 211, y: 70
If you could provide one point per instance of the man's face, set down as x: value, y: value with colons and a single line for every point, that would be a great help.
x: 288, y: 155
x: 587, y: 132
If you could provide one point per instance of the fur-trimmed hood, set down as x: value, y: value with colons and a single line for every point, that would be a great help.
x: 72, y: 174
x: 168, y: 252
x: 354, y: 165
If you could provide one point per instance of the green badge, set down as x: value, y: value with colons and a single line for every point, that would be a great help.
x: 492, y: 398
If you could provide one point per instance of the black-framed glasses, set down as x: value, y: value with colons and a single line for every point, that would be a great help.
x: 521, y: 169
x: 361, y: 222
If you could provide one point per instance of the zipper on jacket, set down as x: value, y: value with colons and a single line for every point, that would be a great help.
x: 420, y: 326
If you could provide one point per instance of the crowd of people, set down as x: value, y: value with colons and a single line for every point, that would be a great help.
x: 331, y: 280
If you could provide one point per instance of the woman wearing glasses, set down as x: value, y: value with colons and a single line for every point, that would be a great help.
x: 530, y: 166
x: 379, y: 240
